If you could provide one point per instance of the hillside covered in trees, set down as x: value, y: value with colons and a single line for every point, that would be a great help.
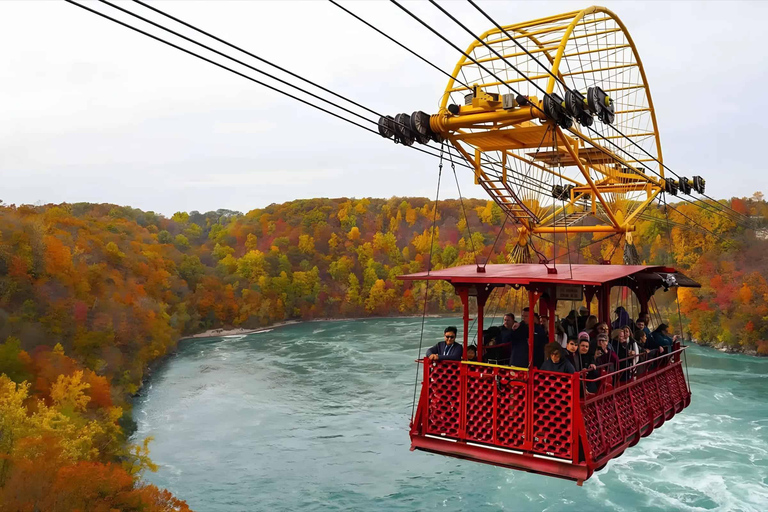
x: 91, y: 294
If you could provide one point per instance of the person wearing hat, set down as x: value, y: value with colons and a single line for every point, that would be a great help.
x: 622, y: 319
x: 583, y: 336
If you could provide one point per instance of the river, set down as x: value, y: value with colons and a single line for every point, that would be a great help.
x: 314, y: 416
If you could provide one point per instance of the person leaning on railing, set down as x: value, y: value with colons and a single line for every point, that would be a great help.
x: 448, y: 349
x: 660, y: 339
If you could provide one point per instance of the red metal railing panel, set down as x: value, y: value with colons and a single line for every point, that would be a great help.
x: 609, y: 421
x: 511, y: 415
x: 593, y: 429
x: 666, y: 399
x: 652, y: 397
x: 672, y: 386
x: 553, y: 411
x: 626, y: 413
x: 444, y: 399
x: 479, y: 419
x: 640, y: 405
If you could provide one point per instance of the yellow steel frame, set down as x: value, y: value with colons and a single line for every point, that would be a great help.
x: 486, y: 124
x: 489, y: 365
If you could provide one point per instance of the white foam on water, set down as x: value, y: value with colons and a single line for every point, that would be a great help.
x: 693, y: 466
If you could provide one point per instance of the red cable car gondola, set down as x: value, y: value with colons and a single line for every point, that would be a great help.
x: 538, y: 421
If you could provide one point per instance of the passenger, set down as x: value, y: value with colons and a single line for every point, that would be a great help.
x: 544, y: 322
x: 571, y: 352
x: 640, y: 340
x: 642, y: 350
x: 560, y: 335
x: 583, y: 318
x: 493, y: 353
x: 601, y: 328
x: 524, y: 316
x: 583, y: 336
x: 508, y: 327
x: 622, y: 318
x: 625, y: 352
x: 643, y: 325
x: 540, y: 340
x: 518, y: 355
x: 448, y: 349
x: 605, y: 354
x: 471, y: 353
x: 631, y: 343
x: 660, y: 339
x: 555, y: 361
x: 570, y: 325
x: 585, y: 363
x: 590, y: 325
x: 515, y: 347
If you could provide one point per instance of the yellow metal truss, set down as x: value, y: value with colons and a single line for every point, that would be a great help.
x: 499, y: 138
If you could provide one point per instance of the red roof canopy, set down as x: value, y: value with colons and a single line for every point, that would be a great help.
x: 525, y: 273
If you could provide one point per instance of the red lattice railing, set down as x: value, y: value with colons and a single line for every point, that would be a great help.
x: 553, y: 414
x: 546, y: 413
x: 480, y: 404
x: 512, y: 409
x: 616, y: 417
x: 444, y: 399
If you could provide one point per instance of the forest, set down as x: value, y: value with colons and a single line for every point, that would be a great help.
x: 92, y: 294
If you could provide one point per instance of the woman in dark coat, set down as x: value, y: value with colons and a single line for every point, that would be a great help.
x: 555, y: 361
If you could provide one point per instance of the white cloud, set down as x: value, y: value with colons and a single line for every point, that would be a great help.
x: 94, y: 112
x: 262, y: 178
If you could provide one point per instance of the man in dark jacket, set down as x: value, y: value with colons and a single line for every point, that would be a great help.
x: 643, y: 322
x: 540, y: 340
x: 570, y: 325
x: 448, y: 349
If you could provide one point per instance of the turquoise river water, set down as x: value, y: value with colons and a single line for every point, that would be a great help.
x: 314, y: 416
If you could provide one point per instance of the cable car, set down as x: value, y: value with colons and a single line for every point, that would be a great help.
x: 538, y: 421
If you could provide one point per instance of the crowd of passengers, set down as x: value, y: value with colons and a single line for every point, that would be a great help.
x: 582, y: 344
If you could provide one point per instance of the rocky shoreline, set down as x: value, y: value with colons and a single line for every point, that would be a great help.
x: 722, y: 347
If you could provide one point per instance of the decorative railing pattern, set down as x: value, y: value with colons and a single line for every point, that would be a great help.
x: 550, y: 414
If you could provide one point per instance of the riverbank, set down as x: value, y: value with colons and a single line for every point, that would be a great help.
x: 212, y: 333
x: 722, y: 347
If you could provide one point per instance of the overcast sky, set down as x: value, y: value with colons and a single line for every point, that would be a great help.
x: 91, y: 111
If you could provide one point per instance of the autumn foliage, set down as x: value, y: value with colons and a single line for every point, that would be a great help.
x: 91, y: 294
